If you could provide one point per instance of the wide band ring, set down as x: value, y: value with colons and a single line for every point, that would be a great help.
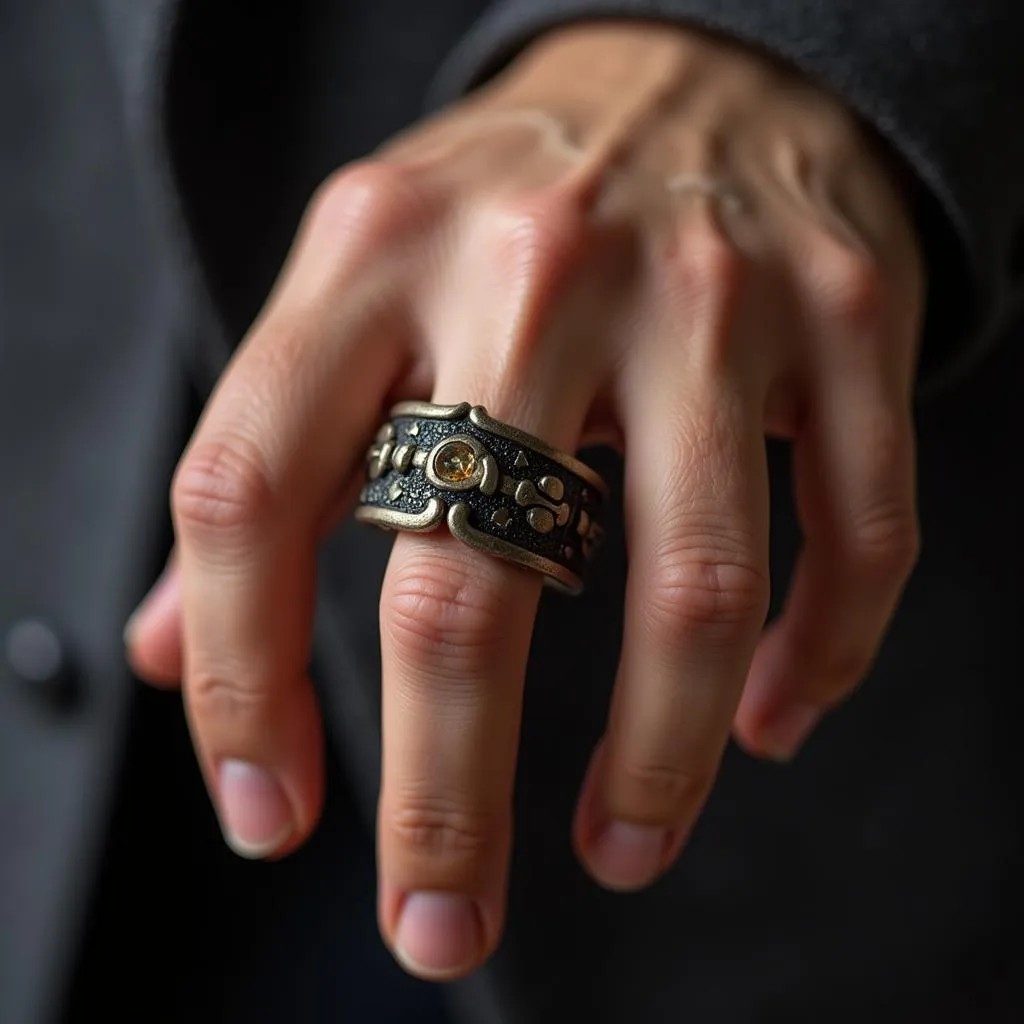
x: 501, y: 490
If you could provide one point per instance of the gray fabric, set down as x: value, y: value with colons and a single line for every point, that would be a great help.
x: 90, y: 403
x: 943, y: 82
x: 155, y: 158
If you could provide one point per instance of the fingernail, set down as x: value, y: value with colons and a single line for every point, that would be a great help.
x: 784, y: 733
x: 255, y: 813
x: 438, y: 935
x: 162, y: 592
x: 626, y: 856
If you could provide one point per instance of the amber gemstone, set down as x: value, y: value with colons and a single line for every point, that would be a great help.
x: 456, y: 462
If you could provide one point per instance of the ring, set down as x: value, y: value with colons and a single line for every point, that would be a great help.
x: 501, y: 490
x: 729, y: 197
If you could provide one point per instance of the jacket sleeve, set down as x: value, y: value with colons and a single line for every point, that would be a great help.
x: 942, y: 81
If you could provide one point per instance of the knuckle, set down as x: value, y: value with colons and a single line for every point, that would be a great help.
x: 885, y: 542
x: 440, y: 829
x: 431, y: 608
x: 225, y: 697
x: 663, y: 792
x: 366, y: 203
x: 533, y: 244
x: 851, y: 287
x: 705, y: 595
x: 221, y: 487
x: 707, y: 265
x: 533, y: 237
x: 879, y: 526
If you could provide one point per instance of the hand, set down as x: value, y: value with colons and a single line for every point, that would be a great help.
x: 635, y: 233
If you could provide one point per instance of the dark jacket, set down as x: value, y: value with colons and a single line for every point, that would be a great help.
x: 154, y: 161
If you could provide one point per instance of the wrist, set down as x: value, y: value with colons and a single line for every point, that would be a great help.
x: 589, y: 69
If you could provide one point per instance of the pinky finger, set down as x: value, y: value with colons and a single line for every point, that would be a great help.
x: 855, y: 485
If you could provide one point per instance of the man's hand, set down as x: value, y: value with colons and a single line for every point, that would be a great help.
x: 634, y: 233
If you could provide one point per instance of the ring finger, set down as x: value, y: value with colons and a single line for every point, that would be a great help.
x: 697, y: 530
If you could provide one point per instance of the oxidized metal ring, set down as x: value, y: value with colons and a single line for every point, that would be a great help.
x: 501, y: 490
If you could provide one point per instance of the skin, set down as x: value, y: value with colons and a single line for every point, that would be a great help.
x: 636, y: 234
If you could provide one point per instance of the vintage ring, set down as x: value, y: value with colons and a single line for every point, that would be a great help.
x: 500, y: 489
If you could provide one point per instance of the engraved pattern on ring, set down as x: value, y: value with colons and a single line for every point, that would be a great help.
x: 499, y: 489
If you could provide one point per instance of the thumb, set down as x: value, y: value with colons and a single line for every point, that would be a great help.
x: 152, y: 636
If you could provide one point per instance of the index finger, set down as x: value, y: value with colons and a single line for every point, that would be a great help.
x: 282, y: 434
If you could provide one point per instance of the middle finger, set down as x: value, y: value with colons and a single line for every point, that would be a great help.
x: 455, y: 629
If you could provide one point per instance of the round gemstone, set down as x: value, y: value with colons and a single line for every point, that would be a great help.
x: 455, y: 463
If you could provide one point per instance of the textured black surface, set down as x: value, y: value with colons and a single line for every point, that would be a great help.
x: 562, y: 545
